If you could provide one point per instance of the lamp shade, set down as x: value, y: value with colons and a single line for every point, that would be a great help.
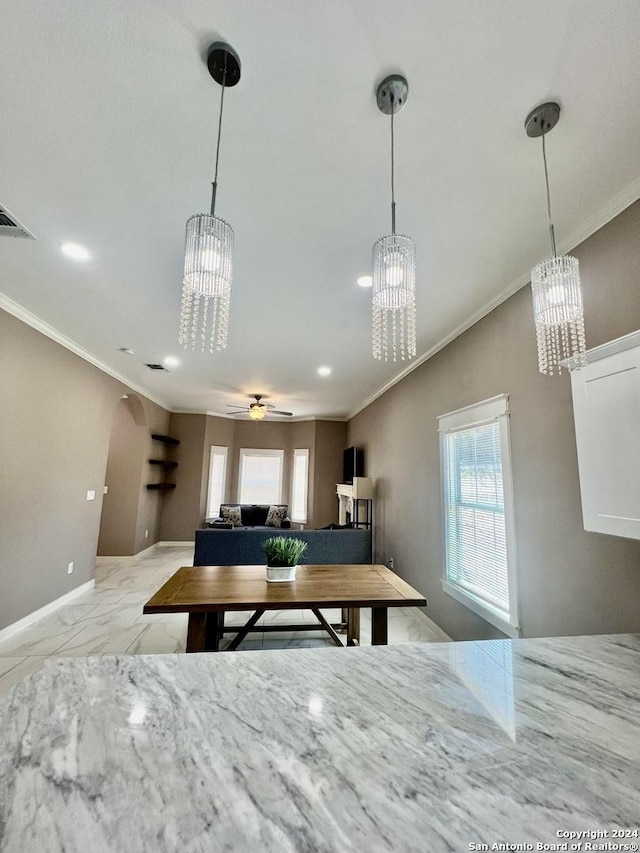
x: 558, y: 314
x: 394, y: 298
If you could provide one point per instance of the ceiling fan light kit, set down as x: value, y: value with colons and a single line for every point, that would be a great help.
x: 555, y: 283
x: 393, y: 259
x: 208, y: 257
x: 257, y: 412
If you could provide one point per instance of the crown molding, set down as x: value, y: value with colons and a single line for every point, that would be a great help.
x: 614, y: 207
x: 25, y: 316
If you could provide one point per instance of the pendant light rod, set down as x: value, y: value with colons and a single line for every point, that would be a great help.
x: 224, y: 66
x: 391, y: 97
x: 393, y: 186
x: 546, y: 180
x: 214, y: 185
x: 538, y: 123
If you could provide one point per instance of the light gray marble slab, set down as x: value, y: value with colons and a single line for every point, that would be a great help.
x: 411, y: 748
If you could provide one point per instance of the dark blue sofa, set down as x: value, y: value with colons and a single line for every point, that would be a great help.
x: 244, y: 547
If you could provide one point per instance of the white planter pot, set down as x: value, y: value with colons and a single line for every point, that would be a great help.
x: 281, y: 574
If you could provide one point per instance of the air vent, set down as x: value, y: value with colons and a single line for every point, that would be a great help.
x: 11, y: 227
x: 157, y: 367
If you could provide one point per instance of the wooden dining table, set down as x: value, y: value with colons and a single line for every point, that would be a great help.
x: 206, y: 593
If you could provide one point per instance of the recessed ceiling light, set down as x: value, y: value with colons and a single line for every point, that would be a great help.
x: 324, y: 371
x: 75, y: 251
x: 126, y: 350
x: 170, y: 361
x: 365, y: 281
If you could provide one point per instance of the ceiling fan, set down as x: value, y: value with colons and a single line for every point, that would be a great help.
x: 258, y: 410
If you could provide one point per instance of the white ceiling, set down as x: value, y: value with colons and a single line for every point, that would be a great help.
x: 108, y: 134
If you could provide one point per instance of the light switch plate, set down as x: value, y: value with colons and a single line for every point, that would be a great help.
x: 105, y: 489
x: 91, y: 495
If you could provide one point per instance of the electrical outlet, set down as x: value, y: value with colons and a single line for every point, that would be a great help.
x: 105, y: 489
x: 146, y: 534
x: 70, y: 568
x: 390, y: 563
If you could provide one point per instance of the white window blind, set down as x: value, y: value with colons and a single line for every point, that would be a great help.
x: 478, y: 512
x: 299, y: 488
x: 217, y: 480
x: 260, y: 479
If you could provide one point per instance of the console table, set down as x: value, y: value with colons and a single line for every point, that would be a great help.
x: 356, y: 502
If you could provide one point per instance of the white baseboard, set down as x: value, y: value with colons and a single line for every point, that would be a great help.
x: 130, y: 557
x: 28, y: 620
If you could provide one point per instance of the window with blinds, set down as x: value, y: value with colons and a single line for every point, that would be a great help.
x: 299, y: 486
x: 479, y: 547
x: 217, y: 479
x: 260, y: 479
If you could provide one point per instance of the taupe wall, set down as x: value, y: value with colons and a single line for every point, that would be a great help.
x: 181, y: 511
x: 571, y: 581
x: 120, y: 504
x: 56, y: 416
x: 130, y: 513
x: 331, y: 440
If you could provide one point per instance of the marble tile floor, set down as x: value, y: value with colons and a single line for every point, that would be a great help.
x: 109, y: 620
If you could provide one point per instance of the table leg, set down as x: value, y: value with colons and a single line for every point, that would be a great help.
x: 379, y: 626
x: 353, y: 626
x: 196, y: 632
x: 213, y: 630
x: 344, y: 617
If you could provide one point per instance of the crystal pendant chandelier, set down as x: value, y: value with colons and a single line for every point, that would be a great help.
x: 394, y: 260
x: 555, y: 283
x: 208, y: 256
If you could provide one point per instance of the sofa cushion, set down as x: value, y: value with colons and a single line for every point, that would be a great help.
x: 276, y: 515
x: 231, y: 514
x: 253, y: 515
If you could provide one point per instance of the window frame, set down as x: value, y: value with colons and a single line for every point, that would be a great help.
x: 217, y: 450
x: 300, y: 453
x: 260, y: 451
x: 495, y: 409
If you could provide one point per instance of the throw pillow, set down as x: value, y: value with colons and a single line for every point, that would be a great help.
x: 276, y: 515
x: 231, y: 514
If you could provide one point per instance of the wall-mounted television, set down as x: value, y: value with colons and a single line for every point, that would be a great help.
x: 352, y: 464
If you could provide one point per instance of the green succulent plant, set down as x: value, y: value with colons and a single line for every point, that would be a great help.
x: 283, y: 551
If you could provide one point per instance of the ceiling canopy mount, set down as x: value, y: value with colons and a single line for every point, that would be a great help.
x: 543, y: 119
x: 223, y: 64
x: 392, y: 94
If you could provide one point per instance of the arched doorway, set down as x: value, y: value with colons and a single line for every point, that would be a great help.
x: 120, y: 503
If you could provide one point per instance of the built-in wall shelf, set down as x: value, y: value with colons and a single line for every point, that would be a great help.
x: 165, y: 463
x: 165, y: 439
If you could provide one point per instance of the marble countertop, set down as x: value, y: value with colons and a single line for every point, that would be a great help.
x: 411, y: 747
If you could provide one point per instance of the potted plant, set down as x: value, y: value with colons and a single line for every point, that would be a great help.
x: 283, y: 555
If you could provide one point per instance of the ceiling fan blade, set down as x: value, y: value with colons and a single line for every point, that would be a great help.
x: 276, y: 412
x: 239, y: 412
x: 236, y: 406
